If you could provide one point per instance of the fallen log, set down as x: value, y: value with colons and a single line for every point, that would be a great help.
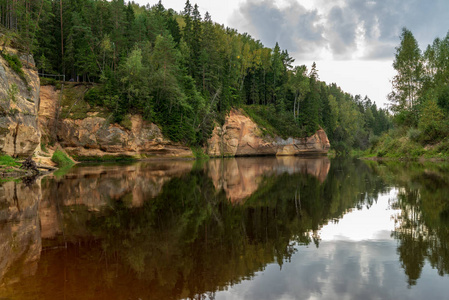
x: 46, y: 167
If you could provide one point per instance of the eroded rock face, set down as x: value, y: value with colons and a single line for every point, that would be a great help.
x: 19, y: 101
x: 96, y: 136
x: 315, y: 144
x: 240, y: 136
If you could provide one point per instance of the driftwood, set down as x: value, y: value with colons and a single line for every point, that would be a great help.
x: 46, y: 167
x: 29, y: 164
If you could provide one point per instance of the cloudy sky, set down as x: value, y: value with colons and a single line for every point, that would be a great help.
x: 352, y: 41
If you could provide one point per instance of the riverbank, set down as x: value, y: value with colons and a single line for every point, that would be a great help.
x: 15, y: 169
x: 403, y: 144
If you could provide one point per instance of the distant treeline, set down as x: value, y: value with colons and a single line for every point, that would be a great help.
x: 183, y: 71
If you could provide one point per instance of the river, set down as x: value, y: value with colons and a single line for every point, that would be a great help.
x: 245, y: 228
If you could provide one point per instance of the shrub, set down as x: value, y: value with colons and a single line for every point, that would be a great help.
x: 47, y: 81
x: 94, y: 96
x: 199, y: 153
x: 444, y: 146
x: 431, y: 122
x: 381, y: 153
x: 61, y: 159
x: 374, y: 141
x: 126, y: 122
x: 414, y: 134
x: 341, y: 148
x: 15, y: 64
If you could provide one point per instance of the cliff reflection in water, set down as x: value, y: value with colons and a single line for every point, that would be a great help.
x: 172, y: 230
x: 241, y: 177
x: 20, y: 235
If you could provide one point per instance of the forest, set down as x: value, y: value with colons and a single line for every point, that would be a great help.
x: 419, y: 101
x: 183, y: 71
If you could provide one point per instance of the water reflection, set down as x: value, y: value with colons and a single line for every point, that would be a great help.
x: 422, y: 223
x: 20, y: 236
x: 235, y: 228
x: 241, y: 177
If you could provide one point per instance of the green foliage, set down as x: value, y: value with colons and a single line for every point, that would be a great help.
x: 275, y: 123
x: 126, y: 122
x: 341, y: 148
x: 14, y: 63
x: 420, y: 99
x: 74, y: 104
x: 431, y: 122
x: 61, y: 159
x: 405, y: 145
x: 410, y: 71
x: 6, y: 160
x: 414, y: 134
x: 443, y: 99
x: 198, y: 152
x: 50, y: 81
x: 44, y: 147
x: 62, y: 171
x: 12, y: 94
x: 94, y: 96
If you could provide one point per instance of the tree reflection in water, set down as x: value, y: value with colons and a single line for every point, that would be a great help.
x: 190, y: 230
x: 422, y: 225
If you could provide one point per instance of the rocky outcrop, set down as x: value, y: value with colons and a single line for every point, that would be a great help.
x: 19, y: 101
x: 241, y: 136
x: 315, y: 144
x: 96, y: 136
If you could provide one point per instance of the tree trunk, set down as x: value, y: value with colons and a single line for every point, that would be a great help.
x: 294, y: 107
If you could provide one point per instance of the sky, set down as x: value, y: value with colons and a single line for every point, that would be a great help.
x: 352, y: 41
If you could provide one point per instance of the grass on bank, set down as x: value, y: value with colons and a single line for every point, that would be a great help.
x: 9, y: 169
x: 198, y: 153
x: 61, y: 159
x: 407, y: 144
x: 8, y: 161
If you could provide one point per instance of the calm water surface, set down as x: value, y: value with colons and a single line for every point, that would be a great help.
x: 249, y: 228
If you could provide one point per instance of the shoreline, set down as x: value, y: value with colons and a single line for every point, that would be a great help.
x: 7, y: 175
x: 405, y: 159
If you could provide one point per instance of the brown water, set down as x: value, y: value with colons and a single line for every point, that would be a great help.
x: 249, y: 228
